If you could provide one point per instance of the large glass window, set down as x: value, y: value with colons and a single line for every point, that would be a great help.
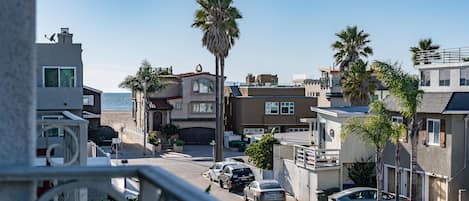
x: 444, y: 77
x: 271, y: 108
x: 433, y: 131
x: 53, y: 132
x: 202, y: 107
x: 59, y: 77
x: 425, y: 78
x: 287, y: 108
x: 464, y: 78
x: 203, y: 86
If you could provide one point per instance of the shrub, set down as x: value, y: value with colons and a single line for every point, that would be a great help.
x: 169, y: 130
x: 179, y: 142
x: 235, y: 144
x: 261, y: 152
x: 153, y: 138
x: 362, y: 172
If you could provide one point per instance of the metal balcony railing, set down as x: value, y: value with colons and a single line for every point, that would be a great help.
x: 155, y: 183
x: 443, y: 56
x: 316, y: 159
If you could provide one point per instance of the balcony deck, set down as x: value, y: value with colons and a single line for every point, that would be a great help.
x: 316, y: 159
x: 443, y: 56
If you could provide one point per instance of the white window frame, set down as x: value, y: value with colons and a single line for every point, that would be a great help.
x: 253, y: 131
x: 202, y: 112
x: 466, y: 79
x: 59, y: 117
x: 431, y: 135
x: 439, y: 78
x: 422, y: 72
x: 397, y: 119
x: 198, y: 82
x: 90, y: 100
x: 290, y: 106
x: 58, y: 76
x: 269, y: 106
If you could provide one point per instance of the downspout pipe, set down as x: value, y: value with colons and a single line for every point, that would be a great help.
x: 466, y: 119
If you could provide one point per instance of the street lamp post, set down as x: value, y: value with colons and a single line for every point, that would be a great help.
x: 145, y: 116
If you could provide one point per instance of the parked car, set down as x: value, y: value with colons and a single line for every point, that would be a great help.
x: 235, y: 177
x: 215, y: 170
x: 266, y: 190
x: 361, y: 194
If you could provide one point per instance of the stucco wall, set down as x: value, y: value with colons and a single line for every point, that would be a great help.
x: 455, y: 74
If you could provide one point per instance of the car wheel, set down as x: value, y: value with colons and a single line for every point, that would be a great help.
x: 245, y: 197
x: 221, y: 184
x: 230, y: 190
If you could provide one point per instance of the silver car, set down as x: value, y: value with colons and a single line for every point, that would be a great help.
x: 265, y: 190
x: 361, y: 194
x: 215, y: 170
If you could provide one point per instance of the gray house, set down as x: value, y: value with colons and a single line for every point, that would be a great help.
x: 442, y: 145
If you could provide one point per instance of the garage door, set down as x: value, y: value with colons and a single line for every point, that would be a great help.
x: 197, y: 136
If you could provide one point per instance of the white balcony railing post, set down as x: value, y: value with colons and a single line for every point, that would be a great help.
x: 18, y: 94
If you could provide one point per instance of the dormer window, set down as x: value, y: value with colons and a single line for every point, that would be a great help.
x: 444, y: 77
x: 202, y: 86
x: 425, y: 78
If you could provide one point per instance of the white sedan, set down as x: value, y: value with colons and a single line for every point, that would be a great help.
x: 215, y: 170
x: 265, y: 190
x: 362, y: 194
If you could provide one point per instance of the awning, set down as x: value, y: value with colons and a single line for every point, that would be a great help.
x: 159, y: 104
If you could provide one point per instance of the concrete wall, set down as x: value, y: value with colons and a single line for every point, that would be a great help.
x: 65, y: 55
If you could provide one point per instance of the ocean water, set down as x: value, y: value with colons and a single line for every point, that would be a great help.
x: 116, y: 101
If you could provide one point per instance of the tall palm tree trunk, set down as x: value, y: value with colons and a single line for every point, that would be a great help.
x: 413, y: 160
x: 398, y: 171
x: 379, y: 175
x: 218, y: 135
x: 221, y: 115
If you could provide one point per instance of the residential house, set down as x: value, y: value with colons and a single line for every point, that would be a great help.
x: 92, y: 106
x: 261, y: 107
x: 187, y: 101
x: 443, y: 126
x: 328, y: 89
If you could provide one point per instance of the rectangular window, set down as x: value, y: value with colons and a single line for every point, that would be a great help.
x: 425, y: 78
x: 445, y: 77
x: 298, y: 129
x: 271, y: 108
x: 253, y: 131
x: 397, y: 119
x: 53, y: 132
x: 433, y: 131
x: 464, y: 77
x: 202, y: 107
x: 178, y: 106
x: 202, y: 86
x: 88, y: 100
x: 63, y: 77
x: 287, y: 108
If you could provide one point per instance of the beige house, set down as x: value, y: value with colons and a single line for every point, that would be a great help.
x: 187, y: 101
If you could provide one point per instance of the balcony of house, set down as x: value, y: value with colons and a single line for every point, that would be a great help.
x: 452, y: 57
x: 56, y: 98
x: 316, y: 159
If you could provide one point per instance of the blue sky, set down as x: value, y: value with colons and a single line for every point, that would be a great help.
x: 277, y: 36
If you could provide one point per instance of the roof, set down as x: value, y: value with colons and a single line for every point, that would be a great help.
x: 346, y: 111
x: 92, y: 89
x: 190, y: 74
x: 160, y: 104
x: 235, y: 91
x: 311, y: 81
x: 458, y: 102
x: 434, y: 102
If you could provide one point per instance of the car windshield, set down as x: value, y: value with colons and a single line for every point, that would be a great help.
x: 242, y: 172
x: 269, y: 185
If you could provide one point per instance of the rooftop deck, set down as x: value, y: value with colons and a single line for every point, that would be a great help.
x: 443, y: 56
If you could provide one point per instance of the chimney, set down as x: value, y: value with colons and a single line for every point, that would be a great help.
x: 64, y: 36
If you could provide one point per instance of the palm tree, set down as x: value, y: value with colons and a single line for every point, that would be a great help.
x: 146, y: 80
x: 374, y: 130
x: 424, y: 44
x: 356, y: 83
x: 218, y: 21
x: 405, y: 88
x: 395, y: 137
x: 352, y: 44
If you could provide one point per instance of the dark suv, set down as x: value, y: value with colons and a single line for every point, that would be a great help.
x: 236, y: 177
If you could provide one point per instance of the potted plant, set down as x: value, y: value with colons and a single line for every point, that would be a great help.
x: 155, y: 141
x: 178, y: 145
